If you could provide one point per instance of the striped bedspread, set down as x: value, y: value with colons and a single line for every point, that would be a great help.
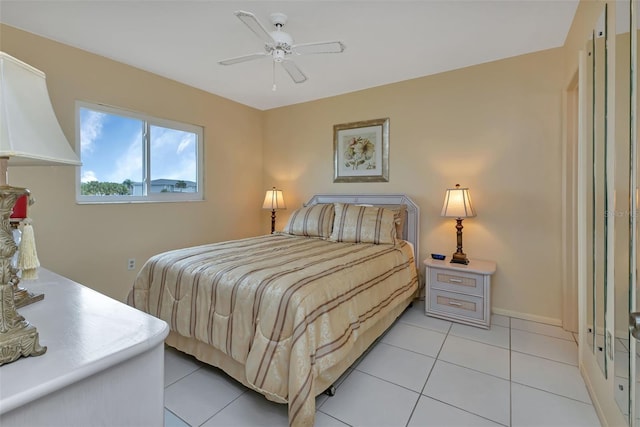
x: 285, y: 307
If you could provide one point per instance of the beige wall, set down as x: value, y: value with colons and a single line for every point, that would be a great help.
x: 495, y: 128
x: 91, y: 243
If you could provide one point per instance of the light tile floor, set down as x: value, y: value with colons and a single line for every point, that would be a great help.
x: 422, y: 372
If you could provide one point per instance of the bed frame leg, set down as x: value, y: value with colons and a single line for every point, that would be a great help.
x: 331, y: 391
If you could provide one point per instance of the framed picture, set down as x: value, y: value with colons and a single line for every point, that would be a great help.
x: 361, y: 151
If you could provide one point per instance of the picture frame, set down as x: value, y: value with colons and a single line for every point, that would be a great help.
x: 361, y: 151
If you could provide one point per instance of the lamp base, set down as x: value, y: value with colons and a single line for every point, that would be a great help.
x: 18, y: 337
x: 273, y: 221
x: 459, y: 258
x: 23, y: 297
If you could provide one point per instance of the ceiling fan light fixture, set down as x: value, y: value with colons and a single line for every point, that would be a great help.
x: 278, y: 55
x: 281, y: 38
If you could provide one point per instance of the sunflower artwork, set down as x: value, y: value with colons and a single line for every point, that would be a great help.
x: 361, y: 151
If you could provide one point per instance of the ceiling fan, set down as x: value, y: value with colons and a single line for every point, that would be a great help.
x: 279, y: 46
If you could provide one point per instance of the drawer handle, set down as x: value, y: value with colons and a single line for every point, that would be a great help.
x: 457, y: 304
x: 455, y: 280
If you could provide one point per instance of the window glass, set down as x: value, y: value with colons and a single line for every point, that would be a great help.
x: 128, y: 157
x: 179, y: 174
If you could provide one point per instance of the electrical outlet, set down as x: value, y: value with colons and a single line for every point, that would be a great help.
x: 131, y: 264
x: 609, y: 345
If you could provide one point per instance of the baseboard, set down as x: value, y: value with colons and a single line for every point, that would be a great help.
x: 526, y: 316
x: 593, y: 396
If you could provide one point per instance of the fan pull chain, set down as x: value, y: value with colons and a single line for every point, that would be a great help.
x: 273, y: 88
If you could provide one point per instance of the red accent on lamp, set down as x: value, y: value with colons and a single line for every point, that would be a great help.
x: 20, y: 208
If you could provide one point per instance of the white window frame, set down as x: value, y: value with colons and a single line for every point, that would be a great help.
x: 148, y: 122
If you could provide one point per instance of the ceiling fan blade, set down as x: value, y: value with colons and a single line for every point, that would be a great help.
x: 318, y: 47
x: 250, y: 20
x: 296, y: 73
x: 243, y: 58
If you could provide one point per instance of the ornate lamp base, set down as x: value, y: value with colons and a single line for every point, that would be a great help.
x: 23, y: 297
x: 273, y: 221
x: 459, y: 258
x: 17, y: 337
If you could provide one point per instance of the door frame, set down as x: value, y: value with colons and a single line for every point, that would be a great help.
x: 571, y: 132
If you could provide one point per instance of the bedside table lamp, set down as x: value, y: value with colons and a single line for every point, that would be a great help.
x: 457, y: 204
x: 273, y: 200
x: 29, y: 136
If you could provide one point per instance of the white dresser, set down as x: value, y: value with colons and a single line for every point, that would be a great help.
x: 104, y: 364
x: 459, y: 292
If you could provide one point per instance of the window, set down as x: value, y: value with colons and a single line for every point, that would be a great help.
x: 130, y: 157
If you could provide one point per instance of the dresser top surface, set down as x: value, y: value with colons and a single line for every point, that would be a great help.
x: 85, y: 332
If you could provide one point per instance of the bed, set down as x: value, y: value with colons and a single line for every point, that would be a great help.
x: 286, y: 314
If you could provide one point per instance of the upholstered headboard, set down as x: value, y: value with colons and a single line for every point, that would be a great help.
x: 411, y: 230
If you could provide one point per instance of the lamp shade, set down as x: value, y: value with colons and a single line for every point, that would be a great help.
x: 457, y: 203
x: 29, y: 131
x: 273, y: 200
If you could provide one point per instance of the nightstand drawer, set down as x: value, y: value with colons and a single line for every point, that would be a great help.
x: 456, y: 281
x: 462, y: 305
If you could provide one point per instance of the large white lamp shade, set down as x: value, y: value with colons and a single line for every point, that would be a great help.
x: 29, y: 131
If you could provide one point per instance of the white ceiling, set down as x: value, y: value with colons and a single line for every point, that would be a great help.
x: 386, y: 41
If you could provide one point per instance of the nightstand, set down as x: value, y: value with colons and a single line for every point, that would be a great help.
x: 459, y: 292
